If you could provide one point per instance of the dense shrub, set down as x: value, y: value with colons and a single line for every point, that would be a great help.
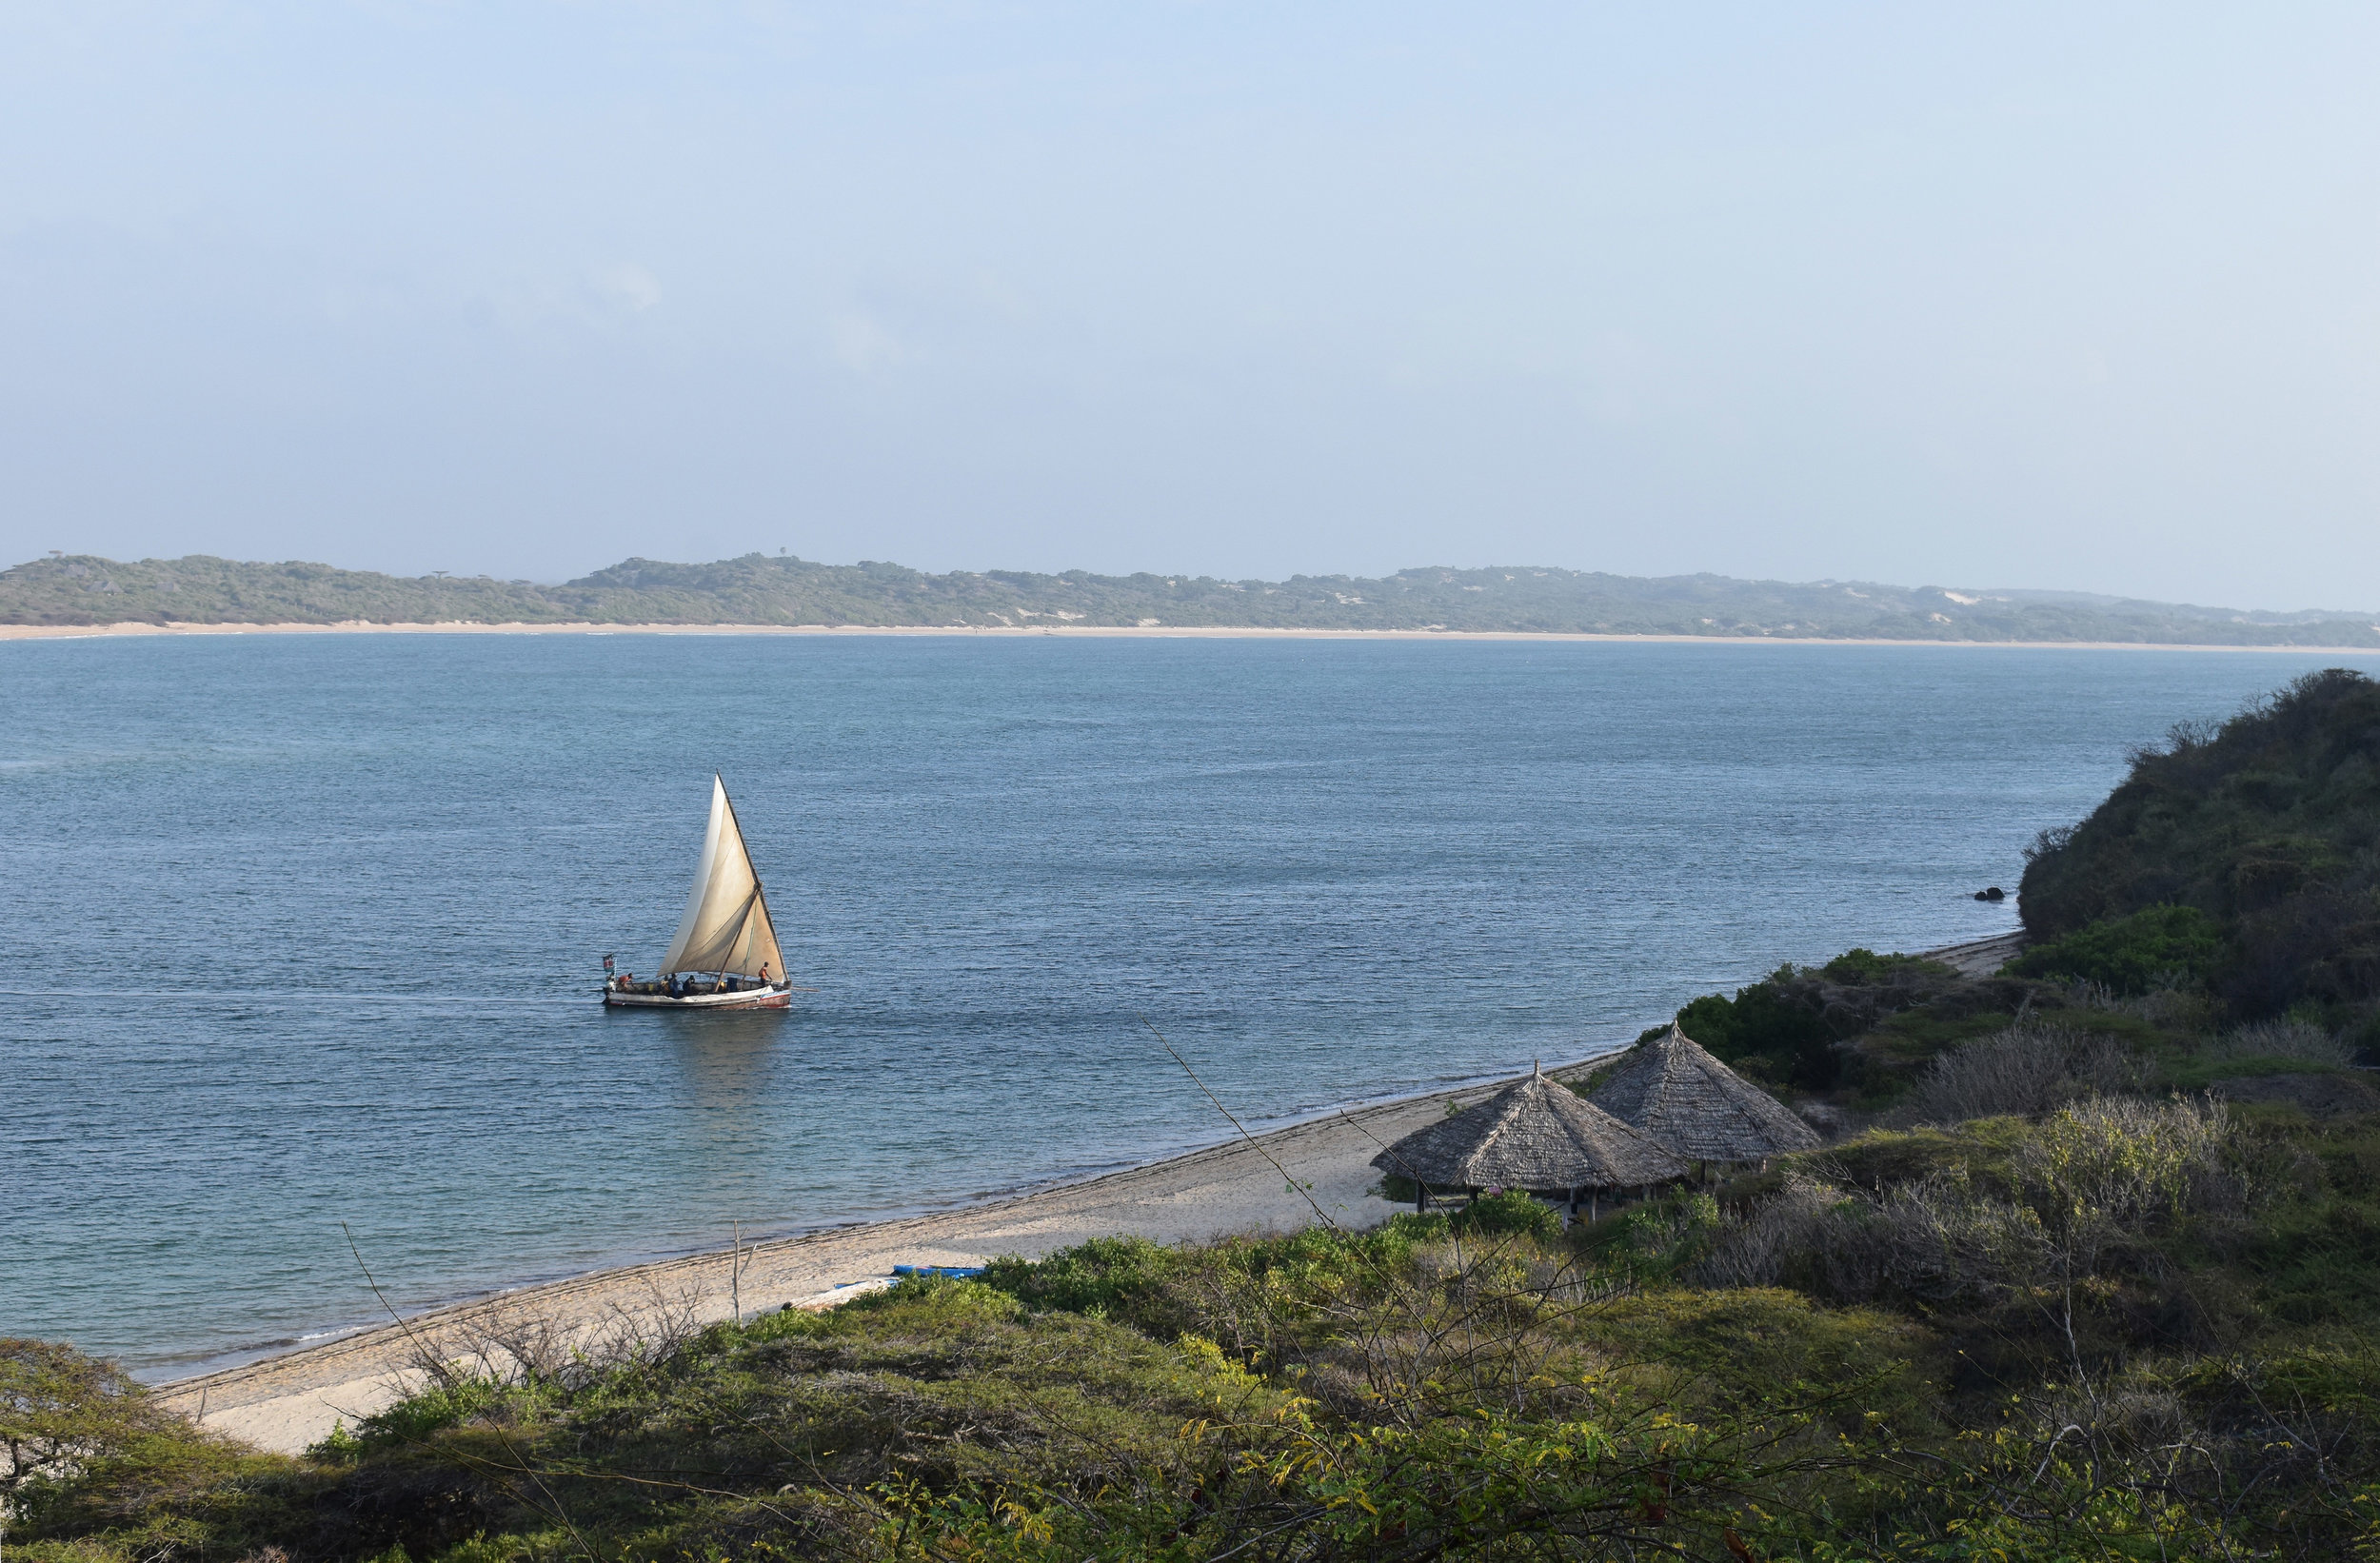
x: 1858, y: 967
x: 2024, y: 1226
x: 57, y: 1405
x: 1764, y: 1026
x: 2027, y: 1069
x: 86, y: 1454
x: 1097, y: 1276
x: 1216, y: 1289
x: 1507, y: 1214
x: 1789, y: 1027
x: 2156, y: 947
x: 2291, y: 1037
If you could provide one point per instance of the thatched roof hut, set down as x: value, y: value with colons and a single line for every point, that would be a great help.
x: 1680, y: 1096
x: 1535, y: 1134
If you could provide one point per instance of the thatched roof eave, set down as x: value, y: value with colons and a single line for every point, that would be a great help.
x: 1671, y: 1089
x: 1537, y: 1134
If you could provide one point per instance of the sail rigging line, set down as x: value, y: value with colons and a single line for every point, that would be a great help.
x: 758, y: 895
x: 770, y: 923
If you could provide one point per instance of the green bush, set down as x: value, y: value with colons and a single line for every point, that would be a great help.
x: 2160, y: 946
x: 411, y: 1420
x: 60, y: 1409
x: 1859, y: 967
x: 1508, y: 1214
x: 1099, y: 1277
x: 1782, y: 1040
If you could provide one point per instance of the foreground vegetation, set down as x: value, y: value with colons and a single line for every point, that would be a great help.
x: 2128, y: 1328
x: 760, y: 589
x: 2079, y: 1312
x: 2092, y: 1273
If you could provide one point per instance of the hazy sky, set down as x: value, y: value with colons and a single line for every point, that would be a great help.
x: 2057, y: 296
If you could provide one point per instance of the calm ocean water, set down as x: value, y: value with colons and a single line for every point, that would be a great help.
x: 302, y: 931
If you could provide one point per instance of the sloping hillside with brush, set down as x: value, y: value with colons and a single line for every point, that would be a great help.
x: 2244, y: 854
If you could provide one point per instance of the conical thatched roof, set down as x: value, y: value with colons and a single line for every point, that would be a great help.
x: 1696, y: 1105
x: 1533, y: 1135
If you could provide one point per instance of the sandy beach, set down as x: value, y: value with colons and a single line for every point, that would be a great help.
x: 85, y: 632
x: 1279, y: 1181
x: 1241, y: 1185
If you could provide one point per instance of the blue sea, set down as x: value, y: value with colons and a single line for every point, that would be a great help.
x: 304, y: 931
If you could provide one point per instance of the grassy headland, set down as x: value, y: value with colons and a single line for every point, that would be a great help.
x: 781, y: 590
x: 2244, y: 855
x: 2093, y: 1272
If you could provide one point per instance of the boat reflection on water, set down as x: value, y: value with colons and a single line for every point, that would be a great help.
x: 726, y: 1061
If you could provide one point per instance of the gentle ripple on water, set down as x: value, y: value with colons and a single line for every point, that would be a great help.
x: 305, y: 930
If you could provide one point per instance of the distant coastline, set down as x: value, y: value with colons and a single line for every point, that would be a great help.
x: 137, y: 630
x: 780, y: 594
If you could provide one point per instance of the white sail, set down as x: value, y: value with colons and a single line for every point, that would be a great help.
x: 725, y: 927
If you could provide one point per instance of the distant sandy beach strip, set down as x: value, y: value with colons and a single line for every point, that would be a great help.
x: 1162, y: 632
x: 1278, y: 1181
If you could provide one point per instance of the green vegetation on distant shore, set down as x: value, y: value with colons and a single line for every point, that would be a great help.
x: 782, y: 590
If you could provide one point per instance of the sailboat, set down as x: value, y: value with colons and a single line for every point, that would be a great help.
x: 726, y: 953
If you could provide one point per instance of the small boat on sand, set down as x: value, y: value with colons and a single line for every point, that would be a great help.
x: 726, y: 953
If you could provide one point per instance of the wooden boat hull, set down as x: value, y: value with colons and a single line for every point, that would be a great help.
x: 780, y: 997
